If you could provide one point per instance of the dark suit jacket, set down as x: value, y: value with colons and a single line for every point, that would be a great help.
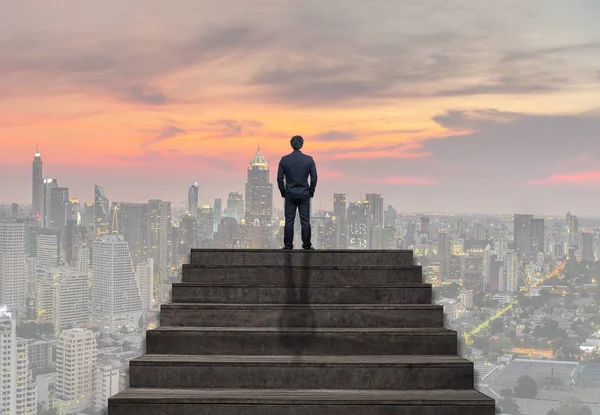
x: 295, y: 168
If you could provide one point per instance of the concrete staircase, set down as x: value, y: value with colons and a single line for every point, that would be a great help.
x: 274, y: 332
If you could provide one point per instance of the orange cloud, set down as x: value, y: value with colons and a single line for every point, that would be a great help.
x: 581, y: 178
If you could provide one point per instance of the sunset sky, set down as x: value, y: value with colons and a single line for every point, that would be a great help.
x: 462, y: 105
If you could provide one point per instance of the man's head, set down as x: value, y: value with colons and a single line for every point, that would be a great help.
x: 297, y: 142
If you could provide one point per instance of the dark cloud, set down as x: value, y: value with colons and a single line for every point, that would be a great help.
x: 474, y: 119
x: 232, y: 128
x: 125, y: 69
x: 334, y: 136
x: 166, y: 133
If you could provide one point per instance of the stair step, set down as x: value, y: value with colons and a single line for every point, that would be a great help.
x: 300, y: 341
x: 297, y: 315
x: 281, y: 274
x: 302, y: 372
x: 344, y: 257
x: 150, y: 401
x: 312, y: 294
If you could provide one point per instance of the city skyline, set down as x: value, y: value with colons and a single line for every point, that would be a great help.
x: 432, y: 105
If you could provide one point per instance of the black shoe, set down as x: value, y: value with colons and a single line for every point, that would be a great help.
x: 310, y: 248
x: 286, y: 248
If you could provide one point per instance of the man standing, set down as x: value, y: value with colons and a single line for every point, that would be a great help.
x: 295, y: 168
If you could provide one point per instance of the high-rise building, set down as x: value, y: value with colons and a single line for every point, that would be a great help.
x: 145, y: 280
x: 133, y: 224
x: 358, y: 225
x: 259, y: 192
x: 537, y: 232
x: 509, y: 273
x: 159, y: 219
x: 341, y: 223
x: 390, y: 216
x: 17, y: 389
x: 37, y: 193
x: 206, y: 220
x: 72, y: 299
x: 444, y: 252
x: 218, y: 210
x: 192, y: 204
x: 75, y: 361
x: 235, y: 206
x: 116, y: 299
x: 48, y: 248
x: 101, y: 211
x: 59, y: 202
x: 587, y: 247
x: 106, y: 382
x: 47, y: 185
x: 522, y: 231
x: 376, y: 205
x: 568, y: 221
x: 13, y: 266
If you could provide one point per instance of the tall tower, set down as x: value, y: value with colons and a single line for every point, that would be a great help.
x: 218, y: 209
x: 192, y: 204
x: 36, y: 188
x: 159, y: 232
x: 341, y: 225
x: 101, y: 211
x: 47, y: 185
x: 376, y: 202
x: 259, y: 191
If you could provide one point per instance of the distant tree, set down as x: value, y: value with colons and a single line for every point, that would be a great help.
x: 500, y: 345
x: 572, y: 408
x: 508, y: 406
x: 506, y: 393
x: 526, y: 387
x: 450, y: 290
x: 497, y: 326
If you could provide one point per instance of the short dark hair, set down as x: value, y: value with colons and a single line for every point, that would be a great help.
x: 297, y: 142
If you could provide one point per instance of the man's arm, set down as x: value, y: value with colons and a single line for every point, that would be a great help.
x: 280, y: 177
x: 313, y: 178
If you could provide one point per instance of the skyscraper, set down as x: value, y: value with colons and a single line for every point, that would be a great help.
x: 537, y: 242
x: 101, y: 211
x: 59, y: 202
x: 13, y: 265
x: 116, y: 298
x: 133, y: 224
x: 48, y: 248
x: 192, y: 204
x: 235, y: 206
x: 218, y: 210
x: 206, y: 225
x: 587, y: 247
x: 159, y: 219
x: 522, y: 230
x: 376, y: 205
x: 259, y: 192
x: 341, y: 224
x: 47, y: 185
x: 444, y: 253
x: 358, y: 225
x: 37, y: 185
